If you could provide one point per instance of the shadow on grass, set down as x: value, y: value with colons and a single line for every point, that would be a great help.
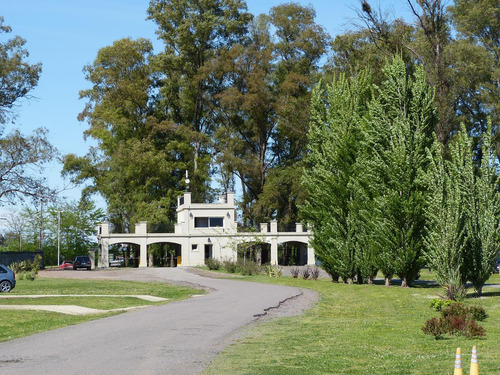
x: 416, y: 283
x: 485, y: 294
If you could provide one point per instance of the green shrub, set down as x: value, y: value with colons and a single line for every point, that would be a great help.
x: 273, y: 271
x: 250, y: 268
x: 438, y: 303
x: 27, y: 269
x: 229, y: 265
x: 213, y: 264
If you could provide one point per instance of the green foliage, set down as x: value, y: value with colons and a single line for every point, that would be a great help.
x: 463, y: 214
x: 22, y: 161
x: 482, y: 211
x: 273, y: 271
x: 249, y: 268
x: 230, y: 265
x: 27, y: 269
x: 332, y: 207
x: 398, y: 128
x: 17, y: 76
x: 213, y: 264
x: 439, y: 304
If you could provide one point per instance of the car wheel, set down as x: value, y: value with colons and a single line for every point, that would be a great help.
x: 88, y: 268
x: 5, y: 286
x: 74, y: 268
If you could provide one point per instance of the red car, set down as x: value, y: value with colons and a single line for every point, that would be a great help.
x: 66, y: 265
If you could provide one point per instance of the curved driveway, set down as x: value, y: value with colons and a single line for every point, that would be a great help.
x: 176, y: 338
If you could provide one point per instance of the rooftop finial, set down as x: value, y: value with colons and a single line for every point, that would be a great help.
x: 187, y: 180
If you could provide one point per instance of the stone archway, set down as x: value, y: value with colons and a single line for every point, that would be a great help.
x: 292, y: 253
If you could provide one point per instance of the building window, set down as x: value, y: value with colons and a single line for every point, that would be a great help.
x: 201, y: 222
x: 194, y: 247
x: 208, y: 222
x: 216, y: 222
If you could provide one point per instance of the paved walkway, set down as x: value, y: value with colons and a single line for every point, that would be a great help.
x: 176, y: 338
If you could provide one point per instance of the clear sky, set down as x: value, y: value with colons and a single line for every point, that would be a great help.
x: 65, y: 35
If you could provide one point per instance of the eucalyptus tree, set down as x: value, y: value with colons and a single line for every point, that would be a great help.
x: 194, y: 33
x: 266, y: 109
x: 17, y: 76
x: 134, y: 165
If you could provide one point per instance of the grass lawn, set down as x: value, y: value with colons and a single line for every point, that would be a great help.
x: 17, y: 323
x: 361, y: 329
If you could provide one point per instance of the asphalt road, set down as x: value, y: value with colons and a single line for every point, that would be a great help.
x: 176, y: 338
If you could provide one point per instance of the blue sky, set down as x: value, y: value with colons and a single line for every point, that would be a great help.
x: 65, y: 35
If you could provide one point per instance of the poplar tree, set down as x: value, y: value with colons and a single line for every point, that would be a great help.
x: 397, y: 131
x: 482, y: 211
x: 446, y: 220
x: 330, y: 173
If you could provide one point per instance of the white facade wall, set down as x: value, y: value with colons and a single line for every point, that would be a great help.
x: 196, y: 236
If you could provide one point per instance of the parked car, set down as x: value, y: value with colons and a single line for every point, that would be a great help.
x: 117, y: 262
x: 66, y: 265
x: 7, y: 279
x: 81, y: 262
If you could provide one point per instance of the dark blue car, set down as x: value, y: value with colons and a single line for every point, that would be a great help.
x: 7, y: 279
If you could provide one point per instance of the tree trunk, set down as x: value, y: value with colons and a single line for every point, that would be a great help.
x: 369, y: 281
x: 404, y: 283
x: 387, y: 281
x: 350, y: 281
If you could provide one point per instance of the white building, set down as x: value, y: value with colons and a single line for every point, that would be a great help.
x: 209, y: 230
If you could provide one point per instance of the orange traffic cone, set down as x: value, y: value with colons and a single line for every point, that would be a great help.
x: 458, y: 363
x: 474, y: 366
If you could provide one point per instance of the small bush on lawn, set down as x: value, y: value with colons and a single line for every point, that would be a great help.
x: 456, y: 319
x: 438, y: 303
x: 315, y: 273
x: 273, y: 271
x: 213, y: 264
x: 230, y: 266
x: 306, y: 272
x: 250, y: 268
x: 27, y: 269
x: 435, y: 327
x: 295, y: 272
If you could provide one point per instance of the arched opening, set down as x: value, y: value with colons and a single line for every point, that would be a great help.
x: 258, y: 252
x: 292, y: 254
x: 164, y: 254
x: 124, y: 254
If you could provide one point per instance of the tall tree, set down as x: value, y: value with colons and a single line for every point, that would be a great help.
x: 22, y: 162
x: 445, y: 239
x: 332, y: 206
x: 194, y: 33
x: 482, y: 210
x: 17, y: 76
x: 134, y: 166
x: 266, y: 109
x: 398, y: 130
x: 477, y: 61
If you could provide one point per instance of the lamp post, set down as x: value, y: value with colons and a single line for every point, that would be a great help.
x: 41, y: 225
x: 58, y: 237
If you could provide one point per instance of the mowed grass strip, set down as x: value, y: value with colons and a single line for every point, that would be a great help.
x: 360, y: 329
x: 18, y: 323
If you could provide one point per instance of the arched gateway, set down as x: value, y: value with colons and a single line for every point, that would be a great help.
x: 205, y: 230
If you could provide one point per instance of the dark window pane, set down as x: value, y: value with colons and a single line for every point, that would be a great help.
x: 216, y: 222
x: 201, y: 222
